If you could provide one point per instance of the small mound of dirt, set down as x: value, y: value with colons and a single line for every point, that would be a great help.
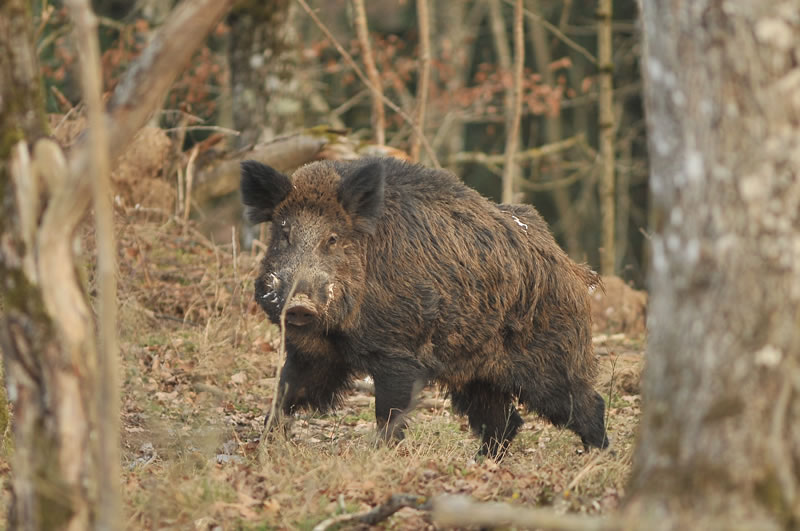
x: 620, y: 309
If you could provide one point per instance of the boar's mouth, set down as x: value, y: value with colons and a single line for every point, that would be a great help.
x: 300, y: 311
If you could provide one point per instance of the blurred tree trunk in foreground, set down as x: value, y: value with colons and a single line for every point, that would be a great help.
x: 719, y: 437
x: 47, y: 331
x: 46, y: 377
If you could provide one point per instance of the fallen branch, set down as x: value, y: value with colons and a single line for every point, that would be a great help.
x: 379, y: 513
x: 221, y: 176
x: 461, y: 511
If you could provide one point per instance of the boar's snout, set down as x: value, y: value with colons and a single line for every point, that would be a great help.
x: 300, y: 311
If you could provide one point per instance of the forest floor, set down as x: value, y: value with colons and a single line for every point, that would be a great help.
x: 199, y: 361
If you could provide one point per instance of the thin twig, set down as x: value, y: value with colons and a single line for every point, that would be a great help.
x: 423, y: 18
x: 106, y: 400
x: 543, y: 186
x: 276, y: 393
x: 216, y: 128
x: 558, y: 33
x: 389, y: 103
x: 378, y: 116
x: 189, y: 179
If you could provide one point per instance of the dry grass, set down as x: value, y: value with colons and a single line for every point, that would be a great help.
x: 199, y: 362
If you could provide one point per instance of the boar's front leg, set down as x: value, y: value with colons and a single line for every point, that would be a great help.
x: 397, y: 381
x: 308, y: 381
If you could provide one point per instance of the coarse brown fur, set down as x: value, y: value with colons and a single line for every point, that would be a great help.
x: 404, y: 273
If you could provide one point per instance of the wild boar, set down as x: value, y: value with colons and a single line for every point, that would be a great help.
x: 405, y: 274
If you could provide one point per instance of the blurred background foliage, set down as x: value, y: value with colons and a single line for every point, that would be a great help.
x: 268, y: 71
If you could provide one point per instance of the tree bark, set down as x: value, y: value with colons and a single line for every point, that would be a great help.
x: 378, y: 116
x: 50, y: 417
x: 46, y: 329
x: 424, y: 76
x: 719, y: 447
x: 262, y: 61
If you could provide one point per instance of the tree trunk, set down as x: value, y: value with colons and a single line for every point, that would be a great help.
x: 45, y: 378
x: 606, y: 128
x: 378, y: 115
x: 721, y: 387
x: 262, y: 60
x: 47, y: 333
x: 568, y: 219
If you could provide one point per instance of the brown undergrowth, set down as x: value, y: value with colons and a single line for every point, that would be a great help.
x: 199, y: 362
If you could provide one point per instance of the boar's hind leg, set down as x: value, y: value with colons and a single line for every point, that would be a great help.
x: 580, y: 409
x: 395, y: 389
x: 310, y: 382
x: 491, y: 414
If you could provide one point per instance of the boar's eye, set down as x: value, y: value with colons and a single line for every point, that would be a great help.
x: 333, y: 239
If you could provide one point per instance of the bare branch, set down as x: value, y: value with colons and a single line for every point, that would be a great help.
x: 389, y: 103
x: 424, y: 74
x: 558, y: 33
x: 378, y: 117
x: 521, y: 156
x: 510, y: 173
x: 556, y: 184
x: 105, y: 399
x: 141, y: 91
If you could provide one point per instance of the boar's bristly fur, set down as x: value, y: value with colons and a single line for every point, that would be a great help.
x: 405, y: 274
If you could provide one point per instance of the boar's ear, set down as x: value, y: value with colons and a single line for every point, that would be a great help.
x: 361, y: 194
x: 262, y: 189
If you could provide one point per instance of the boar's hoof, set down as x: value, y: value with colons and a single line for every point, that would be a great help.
x: 300, y: 313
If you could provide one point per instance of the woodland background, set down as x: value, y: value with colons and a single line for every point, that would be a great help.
x: 268, y: 71
x: 138, y: 368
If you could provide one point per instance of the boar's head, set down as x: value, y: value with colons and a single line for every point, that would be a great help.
x: 321, y: 219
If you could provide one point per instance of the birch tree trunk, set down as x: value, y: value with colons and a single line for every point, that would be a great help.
x: 719, y: 438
